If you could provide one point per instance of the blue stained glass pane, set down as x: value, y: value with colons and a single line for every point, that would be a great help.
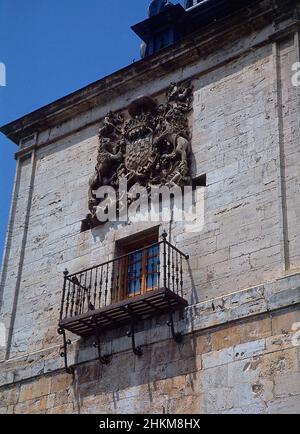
x: 152, y: 281
x: 135, y: 269
x: 134, y: 286
x: 152, y: 267
x: 152, y: 264
x: 136, y: 257
x: 152, y: 251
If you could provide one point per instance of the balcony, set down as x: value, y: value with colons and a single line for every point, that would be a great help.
x: 133, y: 287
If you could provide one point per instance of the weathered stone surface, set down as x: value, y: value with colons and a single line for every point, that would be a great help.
x: 238, y: 379
x: 242, y: 280
x: 38, y: 389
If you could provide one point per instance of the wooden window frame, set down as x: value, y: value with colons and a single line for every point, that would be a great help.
x: 129, y: 249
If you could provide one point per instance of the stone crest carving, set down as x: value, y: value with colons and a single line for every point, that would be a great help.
x: 151, y: 147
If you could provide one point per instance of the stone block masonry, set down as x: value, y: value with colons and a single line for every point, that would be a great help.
x: 248, y: 365
x: 239, y: 353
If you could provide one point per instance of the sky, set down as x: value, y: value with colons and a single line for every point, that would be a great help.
x: 51, y: 48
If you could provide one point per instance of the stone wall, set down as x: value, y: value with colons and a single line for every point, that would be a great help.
x: 250, y: 365
x: 241, y: 279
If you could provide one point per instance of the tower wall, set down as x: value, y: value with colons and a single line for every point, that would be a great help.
x: 239, y: 352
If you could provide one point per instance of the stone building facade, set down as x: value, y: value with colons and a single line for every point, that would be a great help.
x: 240, y: 350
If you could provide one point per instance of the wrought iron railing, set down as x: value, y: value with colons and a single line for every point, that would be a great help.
x: 159, y: 265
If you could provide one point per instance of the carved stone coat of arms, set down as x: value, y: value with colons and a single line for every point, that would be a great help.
x: 151, y: 147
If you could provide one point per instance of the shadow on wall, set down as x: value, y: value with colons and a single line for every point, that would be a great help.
x: 111, y: 383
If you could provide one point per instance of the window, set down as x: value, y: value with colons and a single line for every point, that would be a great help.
x: 142, y: 273
x: 140, y: 266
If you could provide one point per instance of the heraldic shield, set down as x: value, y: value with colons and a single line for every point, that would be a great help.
x: 149, y: 145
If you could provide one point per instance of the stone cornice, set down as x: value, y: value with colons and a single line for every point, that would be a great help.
x: 190, y: 49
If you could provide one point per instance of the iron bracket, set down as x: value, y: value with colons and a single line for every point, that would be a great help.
x: 131, y: 334
x: 176, y: 336
x: 64, y: 353
x: 104, y: 360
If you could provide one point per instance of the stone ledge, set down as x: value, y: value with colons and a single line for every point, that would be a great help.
x: 251, y: 302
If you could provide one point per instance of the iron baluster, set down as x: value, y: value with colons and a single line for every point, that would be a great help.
x: 181, y: 276
x: 152, y: 272
x: 68, y: 298
x: 84, y: 291
x: 141, y: 276
x: 100, y: 286
x: 90, y: 306
x: 112, y: 281
x: 128, y: 275
x: 158, y: 268
x: 66, y: 272
x: 135, y: 280
x: 143, y: 269
x: 77, y: 299
x: 173, y: 272
x: 95, y: 287
x: 106, y: 285
x: 123, y: 279
x: 169, y: 267
x: 72, y: 297
x: 164, y: 236
x: 177, y: 274
x: 81, y: 294
x: 117, y: 284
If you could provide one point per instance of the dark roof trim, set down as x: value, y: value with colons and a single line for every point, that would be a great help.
x: 174, y: 15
